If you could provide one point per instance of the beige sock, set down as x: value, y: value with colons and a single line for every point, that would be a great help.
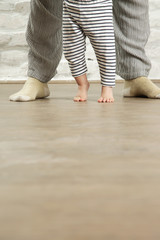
x: 32, y: 89
x: 141, y: 86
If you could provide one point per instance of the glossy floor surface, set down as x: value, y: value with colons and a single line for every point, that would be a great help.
x: 79, y: 171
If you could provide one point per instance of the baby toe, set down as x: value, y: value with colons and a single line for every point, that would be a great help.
x: 100, y: 99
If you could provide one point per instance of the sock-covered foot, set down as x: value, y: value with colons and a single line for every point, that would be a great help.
x: 32, y: 90
x: 141, y: 86
x: 106, y: 95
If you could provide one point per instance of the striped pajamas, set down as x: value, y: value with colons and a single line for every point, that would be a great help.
x: 92, y: 19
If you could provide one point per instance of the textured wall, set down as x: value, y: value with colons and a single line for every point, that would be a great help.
x: 13, y: 47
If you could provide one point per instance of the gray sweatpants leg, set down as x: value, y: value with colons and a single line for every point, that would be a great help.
x: 131, y: 22
x: 44, y: 37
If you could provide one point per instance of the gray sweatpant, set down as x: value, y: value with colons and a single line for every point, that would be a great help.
x: 44, y: 37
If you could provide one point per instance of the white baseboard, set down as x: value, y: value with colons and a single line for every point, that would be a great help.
x: 64, y: 81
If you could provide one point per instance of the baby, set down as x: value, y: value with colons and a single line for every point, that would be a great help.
x: 92, y: 19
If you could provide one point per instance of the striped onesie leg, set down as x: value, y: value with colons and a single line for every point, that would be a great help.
x: 92, y: 19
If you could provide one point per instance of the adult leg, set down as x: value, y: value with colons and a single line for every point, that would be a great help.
x: 131, y: 21
x: 44, y: 37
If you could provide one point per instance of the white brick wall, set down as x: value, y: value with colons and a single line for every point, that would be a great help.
x: 13, y: 47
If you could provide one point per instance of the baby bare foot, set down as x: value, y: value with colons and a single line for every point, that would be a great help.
x: 83, y: 86
x: 106, y: 95
x: 82, y: 93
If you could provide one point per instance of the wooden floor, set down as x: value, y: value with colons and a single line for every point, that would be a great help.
x: 79, y: 171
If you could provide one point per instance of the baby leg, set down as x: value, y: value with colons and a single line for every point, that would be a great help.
x: 83, y: 86
x: 74, y: 47
x: 101, y: 35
